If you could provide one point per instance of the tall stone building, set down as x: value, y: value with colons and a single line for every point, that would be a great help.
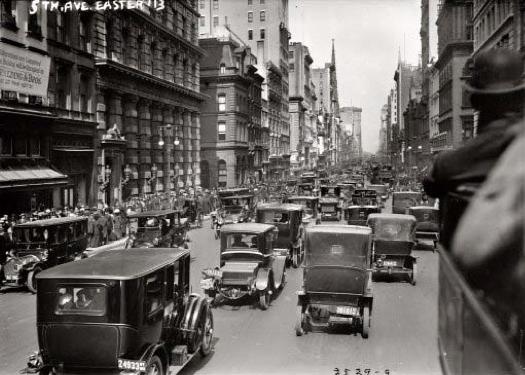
x: 233, y: 139
x: 147, y: 91
x: 47, y: 121
x: 263, y: 25
x: 351, y: 122
x: 303, y: 114
x: 455, y: 43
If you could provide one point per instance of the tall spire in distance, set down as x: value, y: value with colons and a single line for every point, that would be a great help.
x: 334, y: 97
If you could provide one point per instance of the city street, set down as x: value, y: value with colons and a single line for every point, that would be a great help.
x: 249, y: 340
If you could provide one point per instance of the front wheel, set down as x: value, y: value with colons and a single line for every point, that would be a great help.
x: 154, y: 366
x: 366, y: 322
x: 264, y: 299
x: 31, y: 280
x: 295, y: 257
x: 413, y: 274
x: 207, y: 333
x: 300, y: 323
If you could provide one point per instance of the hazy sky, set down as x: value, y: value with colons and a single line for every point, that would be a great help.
x: 368, y: 35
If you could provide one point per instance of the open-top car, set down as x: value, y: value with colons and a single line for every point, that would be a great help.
x: 358, y: 215
x: 288, y: 220
x: 337, y: 282
x: 237, y: 208
x: 126, y: 311
x: 329, y: 208
x: 249, y: 265
x: 427, y: 225
x: 403, y: 200
x: 42, y: 244
x: 310, y: 206
x: 158, y: 228
x: 393, y: 241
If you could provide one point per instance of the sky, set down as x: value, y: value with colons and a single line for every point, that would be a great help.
x: 368, y: 35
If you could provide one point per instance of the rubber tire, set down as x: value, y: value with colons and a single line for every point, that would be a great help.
x: 365, y: 329
x: 413, y: 273
x: 295, y: 258
x: 31, y: 282
x: 264, y: 299
x: 155, y: 361
x: 208, y: 317
x: 299, y: 324
x: 283, y: 279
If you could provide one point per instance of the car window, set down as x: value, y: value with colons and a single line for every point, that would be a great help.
x: 241, y: 241
x: 153, y: 296
x: 81, y: 300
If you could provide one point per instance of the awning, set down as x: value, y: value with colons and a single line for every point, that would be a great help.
x: 31, y: 177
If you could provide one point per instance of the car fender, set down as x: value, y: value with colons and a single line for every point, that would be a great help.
x: 152, y: 349
x: 278, y: 267
x: 261, y: 282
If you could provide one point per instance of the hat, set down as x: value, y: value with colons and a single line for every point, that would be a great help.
x: 495, y: 72
x: 116, y: 211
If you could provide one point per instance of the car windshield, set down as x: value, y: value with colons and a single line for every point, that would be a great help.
x: 393, y: 230
x: 232, y: 209
x: 30, y: 235
x: 327, y: 207
x: 80, y: 300
x: 272, y: 217
x: 241, y: 241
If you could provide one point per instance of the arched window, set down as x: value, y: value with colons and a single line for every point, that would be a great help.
x: 222, y: 173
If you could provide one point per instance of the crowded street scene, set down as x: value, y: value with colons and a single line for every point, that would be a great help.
x: 262, y: 187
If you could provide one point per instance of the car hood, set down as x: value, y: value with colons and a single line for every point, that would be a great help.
x: 239, y: 271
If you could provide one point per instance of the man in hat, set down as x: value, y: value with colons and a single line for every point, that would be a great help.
x: 497, y: 92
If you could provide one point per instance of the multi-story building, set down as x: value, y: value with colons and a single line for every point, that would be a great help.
x: 303, y: 116
x: 263, y: 24
x: 497, y: 24
x: 351, y: 119
x: 148, y: 100
x: 232, y: 146
x: 455, y: 43
x: 383, y: 140
x: 47, y: 106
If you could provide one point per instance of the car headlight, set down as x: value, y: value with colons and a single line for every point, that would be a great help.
x: 44, y: 255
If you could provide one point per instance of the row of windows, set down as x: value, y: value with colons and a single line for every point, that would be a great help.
x: 22, y: 146
x: 262, y: 34
x: 262, y: 16
x: 491, y: 20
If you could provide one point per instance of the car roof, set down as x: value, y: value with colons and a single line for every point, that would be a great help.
x: 421, y: 208
x: 328, y: 200
x: 406, y: 192
x: 52, y: 221
x: 362, y: 206
x: 246, y: 228
x: 280, y: 206
x: 349, y: 229
x: 153, y: 213
x: 121, y: 264
x: 302, y: 197
x: 393, y: 217
x: 238, y: 196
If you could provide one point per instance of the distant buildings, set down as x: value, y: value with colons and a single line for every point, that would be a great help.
x: 351, y: 123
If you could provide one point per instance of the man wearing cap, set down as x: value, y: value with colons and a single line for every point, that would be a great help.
x: 497, y: 92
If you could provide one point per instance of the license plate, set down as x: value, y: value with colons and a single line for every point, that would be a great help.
x: 127, y: 364
x: 389, y: 263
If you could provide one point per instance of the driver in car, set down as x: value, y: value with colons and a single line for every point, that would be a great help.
x: 238, y: 242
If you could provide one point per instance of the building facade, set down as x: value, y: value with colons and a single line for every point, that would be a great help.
x: 148, y: 100
x: 455, y: 43
x: 351, y: 123
x: 263, y: 25
x: 233, y: 144
x: 47, y: 113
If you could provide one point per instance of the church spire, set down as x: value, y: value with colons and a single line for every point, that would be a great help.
x: 334, y: 96
x: 333, y: 52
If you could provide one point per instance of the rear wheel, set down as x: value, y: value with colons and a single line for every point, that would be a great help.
x: 365, y: 329
x: 31, y: 280
x: 299, y: 324
x: 155, y: 366
x: 413, y: 274
x: 295, y: 257
x: 207, y: 333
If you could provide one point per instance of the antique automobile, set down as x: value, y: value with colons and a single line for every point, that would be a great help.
x: 364, y: 197
x: 393, y: 241
x: 189, y: 209
x: 288, y: 220
x: 403, y: 200
x: 237, y: 208
x: 125, y: 311
x: 337, y: 280
x: 329, y: 209
x: 42, y: 244
x: 358, y: 215
x: 330, y: 191
x: 347, y: 189
x: 310, y: 206
x: 159, y: 228
x: 381, y: 191
x: 307, y: 178
x: 427, y: 225
x: 249, y: 265
x: 306, y: 188
x: 232, y: 191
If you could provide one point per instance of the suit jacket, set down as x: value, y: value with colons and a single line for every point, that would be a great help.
x: 472, y: 162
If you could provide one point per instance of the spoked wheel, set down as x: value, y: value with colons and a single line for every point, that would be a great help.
x: 283, y: 280
x: 154, y: 366
x: 207, y: 333
x: 413, y: 274
x: 31, y: 280
x: 365, y: 329
x: 264, y: 299
x: 295, y: 258
x: 300, y: 323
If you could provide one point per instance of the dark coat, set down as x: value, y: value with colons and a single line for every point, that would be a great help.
x: 472, y: 162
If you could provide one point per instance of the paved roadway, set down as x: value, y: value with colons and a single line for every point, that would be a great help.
x: 403, y: 336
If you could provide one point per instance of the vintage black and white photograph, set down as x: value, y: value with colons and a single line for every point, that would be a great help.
x: 252, y: 187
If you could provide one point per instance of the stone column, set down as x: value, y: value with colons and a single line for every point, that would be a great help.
x: 130, y: 130
x: 167, y: 120
x: 195, y: 127
x: 187, y: 144
x: 144, y: 145
x: 178, y: 150
x: 157, y: 150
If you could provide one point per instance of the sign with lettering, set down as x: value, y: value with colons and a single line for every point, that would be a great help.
x: 23, y: 71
